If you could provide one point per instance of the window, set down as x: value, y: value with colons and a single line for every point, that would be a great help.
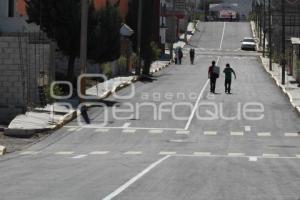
x: 11, y: 8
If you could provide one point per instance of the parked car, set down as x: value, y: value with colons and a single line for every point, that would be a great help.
x: 248, y: 44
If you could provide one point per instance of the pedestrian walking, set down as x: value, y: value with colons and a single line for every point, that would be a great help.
x: 84, y: 114
x: 192, y: 55
x: 213, y: 75
x: 228, y: 75
x: 180, y: 55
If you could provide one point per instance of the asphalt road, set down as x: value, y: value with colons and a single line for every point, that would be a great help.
x: 163, y: 146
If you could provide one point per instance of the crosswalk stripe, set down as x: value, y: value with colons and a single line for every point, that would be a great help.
x: 298, y: 156
x: 265, y: 134
x: 291, y: 134
x: 210, y: 133
x: 99, y: 152
x: 133, y: 153
x: 248, y: 128
x: 236, y: 133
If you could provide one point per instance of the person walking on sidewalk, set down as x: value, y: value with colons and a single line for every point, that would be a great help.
x: 180, y: 55
x: 213, y: 75
x: 228, y: 75
x: 192, y: 55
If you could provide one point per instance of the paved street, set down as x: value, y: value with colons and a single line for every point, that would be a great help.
x: 153, y: 155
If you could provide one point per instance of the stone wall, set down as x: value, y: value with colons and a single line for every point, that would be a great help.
x: 23, y: 63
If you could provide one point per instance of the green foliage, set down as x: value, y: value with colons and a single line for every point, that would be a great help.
x: 57, y: 90
x: 122, y: 64
x: 61, y: 21
x: 155, y: 51
x: 106, y: 69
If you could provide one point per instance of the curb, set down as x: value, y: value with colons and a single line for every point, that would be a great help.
x: 288, y: 95
x: 2, y: 150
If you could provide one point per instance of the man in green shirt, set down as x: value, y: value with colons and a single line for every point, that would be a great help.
x: 228, y: 72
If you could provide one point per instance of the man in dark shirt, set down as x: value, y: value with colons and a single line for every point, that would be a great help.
x: 228, y: 75
x: 192, y: 55
x: 212, y: 75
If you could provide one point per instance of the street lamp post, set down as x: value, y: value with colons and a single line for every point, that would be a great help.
x: 283, y: 61
x: 83, y: 42
x: 139, y: 39
x: 270, y: 35
x: 264, y: 29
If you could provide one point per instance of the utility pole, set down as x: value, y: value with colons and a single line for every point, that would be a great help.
x: 83, y: 42
x: 270, y: 36
x: 140, y: 17
x: 260, y: 24
x: 264, y: 29
x: 283, y: 61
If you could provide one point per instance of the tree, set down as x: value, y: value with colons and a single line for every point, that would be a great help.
x: 60, y: 20
x: 149, y: 39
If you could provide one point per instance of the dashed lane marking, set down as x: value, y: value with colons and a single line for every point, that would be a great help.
x: 236, y: 133
x: 264, y: 134
x: 270, y: 155
x: 79, y: 156
x: 133, y: 153
x: 156, y: 131
x: 253, y: 159
x: 291, y: 134
x: 182, y: 132
x: 71, y: 129
x: 129, y: 131
x: 126, y: 125
x: 167, y: 153
x: 210, y: 133
x: 99, y: 152
x: 298, y: 156
x: 101, y: 130
x: 64, y: 153
x: 247, y: 128
x: 29, y: 153
x: 236, y: 154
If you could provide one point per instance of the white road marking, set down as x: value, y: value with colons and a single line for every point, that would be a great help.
x: 79, y: 156
x: 236, y: 133
x: 298, y: 156
x: 101, y: 130
x: 129, y: 131
x: 266, y: 155
x: 64, y: 153
x: 252, y: 159
x: 291, y: 134
x: 99, y: 152
x: 202, y: 153
x: 221, y: 43
x: 265, y: 134
x: 197, y: 102
x: 133, y: 153
x: 182, y: 132
x: 126, y: 125
x: 71, y: 129
x: 247, y: 128
x: 236, y: 154
x: 134, y: 179
x: 167, y: 153
x: 29, y: 153
x: 210, y: 133
x: 136, y: 128
x: 156, y: 131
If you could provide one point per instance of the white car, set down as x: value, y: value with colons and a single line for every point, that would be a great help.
x: 248, y: 44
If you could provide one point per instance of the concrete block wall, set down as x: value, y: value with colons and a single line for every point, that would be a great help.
x: 21, y: 64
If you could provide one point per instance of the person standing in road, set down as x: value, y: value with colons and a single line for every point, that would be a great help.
x: 192, y: 55
x: 213, y: 75
x: 228, y: 75
x: 180, y: 55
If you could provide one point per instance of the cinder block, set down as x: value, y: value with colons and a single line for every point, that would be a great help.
x: 3, y: 44
x: 2, y: 150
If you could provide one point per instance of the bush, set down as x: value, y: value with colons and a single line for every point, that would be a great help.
x: 155, y: 51
x: 122, y: 65
x: 106, y: 69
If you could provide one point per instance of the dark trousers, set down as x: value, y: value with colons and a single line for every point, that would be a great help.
x: 192, y: 60
x: 227, y: 85
x: 213, y: 81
